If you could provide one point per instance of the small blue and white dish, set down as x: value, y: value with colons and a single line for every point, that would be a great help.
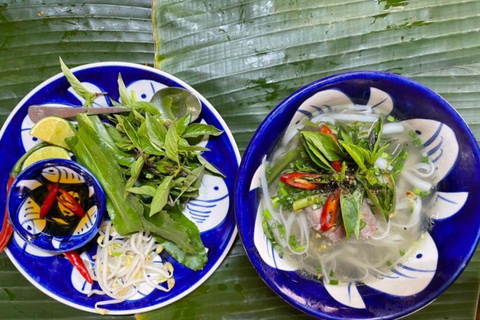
x: 212, y: 211
x: 445, y: 250
x: 61, y: 230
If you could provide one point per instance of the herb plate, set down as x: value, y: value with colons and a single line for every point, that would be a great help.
x: 212, y: 211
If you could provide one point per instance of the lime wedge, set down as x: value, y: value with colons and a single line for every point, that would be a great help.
x: 48, y: 152
x: 53, y: 130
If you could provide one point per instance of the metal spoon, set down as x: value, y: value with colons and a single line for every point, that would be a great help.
x: 174, y: 103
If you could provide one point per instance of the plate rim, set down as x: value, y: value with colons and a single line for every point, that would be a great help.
x: 218, y: 117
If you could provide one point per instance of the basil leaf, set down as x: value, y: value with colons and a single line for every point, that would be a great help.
x: 171, y: 143
x: 209, y: 167
x: 358, y: 154
x: 196, y: 175
x: 126, y: 98
x: 358, y: 197
x: 325, y: 144
x: 77, y: 86
x: 182, y: 124
x: 135, y: 171
x: 145, y: 107
x: 378, y: 131
x: 317, y: 157
x: 143, y: 190
x: 398, y: 162
x: 131, y: 133
x: 161, y: 196
x: 199, y: 129
x: 156, y: 131
x: 184, y: 146
x: 350, y: 214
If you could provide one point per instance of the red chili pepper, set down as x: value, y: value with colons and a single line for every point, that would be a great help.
x: 7, y: 229
x: 325, y: 129
x: 77, y: 262
x: 336, y: 165
x: 295, y: 179
x: 49, y: 200
x: 330, y: 210
x: 70, y: 203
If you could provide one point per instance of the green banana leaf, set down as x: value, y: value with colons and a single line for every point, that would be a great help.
x: 210, y: 45
x: 247, y: 56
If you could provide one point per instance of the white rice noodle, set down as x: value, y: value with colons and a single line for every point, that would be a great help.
x: 416, y: 181
x: 355, y: 117
x: 323, y: 118
x: 393, y: 128
x: 291, y: 134
x: 423, y: 170
x: 364, y: 109
x: 267, y: 201
x: 414, y: 203
x: 384, y: 234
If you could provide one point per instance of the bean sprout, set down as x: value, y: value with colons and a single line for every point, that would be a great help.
x: 123, y: 264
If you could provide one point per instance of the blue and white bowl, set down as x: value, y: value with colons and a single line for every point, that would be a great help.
x: 24, y: 202
x: 212, y: 211
x: 447, y: 248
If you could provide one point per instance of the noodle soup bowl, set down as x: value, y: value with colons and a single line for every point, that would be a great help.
x: 443, y: 252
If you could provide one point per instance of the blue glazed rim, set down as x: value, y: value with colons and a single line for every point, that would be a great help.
x: 245, y: 210
x: 43, y: 241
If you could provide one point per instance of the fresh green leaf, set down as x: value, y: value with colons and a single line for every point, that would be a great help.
x: 317, y: 157
x: 161, y: 195
x: 131, y: 133
x: 171, y: 143
x: 125, y: 96
x: 135, y: 171
x: 209, y: 167
x: 101, y: 162
x: 155, y: 130
x: 359, y: 155
x: 173, y: 225
x: 143, y: 190
x: 77, y: 86
x: 398, y: 162
x: 350, y: 213
x: 325, y: 144
x: 182, y: 124
x: 145, y: 107
x: 196, y: 175
x: 199, y: 129
x: 195, y: 261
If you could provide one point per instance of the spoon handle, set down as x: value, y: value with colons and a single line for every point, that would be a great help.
x: 39, y: 112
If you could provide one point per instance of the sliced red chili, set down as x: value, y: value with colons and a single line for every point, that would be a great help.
x: 78, y: 264
x: 67, y: 200
x: 296, y: 179
x: 336, y: 165
x: 325, y: 129
x: 49, y: 200
x: 330, y: 211
x: 7, y: 229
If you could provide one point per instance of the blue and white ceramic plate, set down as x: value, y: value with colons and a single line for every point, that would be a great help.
x: 61, y: 230
x: 212, y: 211
x: 445, y: 250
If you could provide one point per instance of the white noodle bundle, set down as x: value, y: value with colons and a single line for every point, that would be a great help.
x: 123, y: 264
